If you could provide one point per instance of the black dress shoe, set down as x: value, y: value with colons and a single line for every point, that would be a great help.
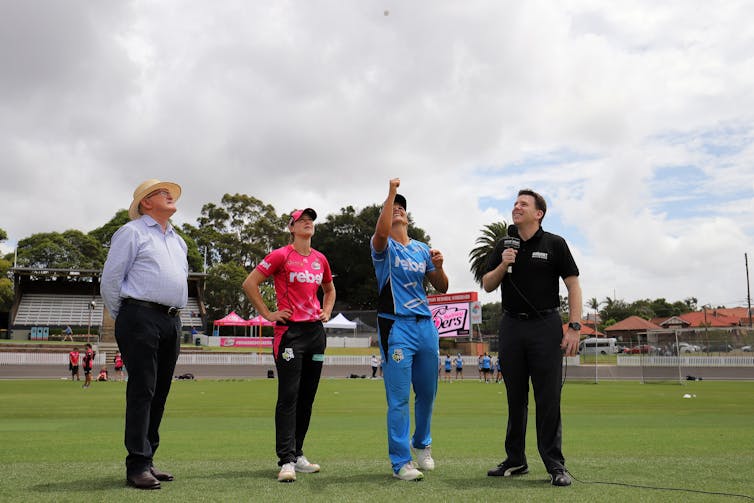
x: 163, y: 476
x: 143, y: 480
x: 508, y: 469
x: 560, y: 478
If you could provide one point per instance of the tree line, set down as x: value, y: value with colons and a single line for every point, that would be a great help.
x: 230, y: 237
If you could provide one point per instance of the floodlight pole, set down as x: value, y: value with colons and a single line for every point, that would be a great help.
x: 89, y: 326
x: 748, y: 290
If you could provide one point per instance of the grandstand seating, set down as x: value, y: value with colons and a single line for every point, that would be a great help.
x: 61, y: 310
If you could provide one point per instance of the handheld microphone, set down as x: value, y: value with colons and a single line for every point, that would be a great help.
x: 512, y: 240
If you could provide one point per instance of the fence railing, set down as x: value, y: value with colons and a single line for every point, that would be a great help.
x: 685, y: 361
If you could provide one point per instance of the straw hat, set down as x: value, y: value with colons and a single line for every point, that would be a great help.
x: 146, y: 188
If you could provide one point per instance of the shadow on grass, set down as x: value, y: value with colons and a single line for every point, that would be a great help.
x: 85, y: 484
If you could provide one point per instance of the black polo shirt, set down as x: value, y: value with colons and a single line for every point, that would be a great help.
x: 540, y: 263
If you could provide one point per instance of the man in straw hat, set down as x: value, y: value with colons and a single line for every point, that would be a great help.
x: 144, y: 288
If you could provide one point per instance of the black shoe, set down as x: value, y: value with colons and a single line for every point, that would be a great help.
x: 143, y: 480
x: 160, y: 475
x: 508, y: 469
x: 560, y: 478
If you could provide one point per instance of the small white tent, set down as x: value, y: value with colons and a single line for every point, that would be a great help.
x: 341, y: 321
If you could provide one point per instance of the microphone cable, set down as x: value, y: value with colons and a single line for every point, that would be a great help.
x: 564, y: 374
x: 661, y: 488
x: 623, y: 484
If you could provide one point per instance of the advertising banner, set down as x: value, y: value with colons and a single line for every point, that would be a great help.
x: 246, y: 342
x: 451, y: 320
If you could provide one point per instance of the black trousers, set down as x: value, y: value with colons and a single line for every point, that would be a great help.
x: 530, y: 349
x: 149, y: 342
x: 299, y: 355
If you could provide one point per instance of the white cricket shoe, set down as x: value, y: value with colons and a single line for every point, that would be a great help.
x: 424, y: 458
x: 304, y: 466
x: 287, y: 473
x: 408, y: 472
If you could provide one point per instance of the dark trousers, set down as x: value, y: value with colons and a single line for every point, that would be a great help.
x: 299, y: 355
x: 149, y: 342
x: 531, y: 349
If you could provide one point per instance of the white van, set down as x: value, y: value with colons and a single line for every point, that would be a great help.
x: 599, y: 346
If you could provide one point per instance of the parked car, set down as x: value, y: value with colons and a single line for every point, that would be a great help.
x: 685, y: 347
x: 641, y: 349
x: 746, y: 349
x: 719, y: 348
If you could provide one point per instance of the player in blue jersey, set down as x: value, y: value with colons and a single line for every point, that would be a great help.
x: 408, y: 336
x: 486, y: 367
x: 459, y: 366
x: 448, y: 364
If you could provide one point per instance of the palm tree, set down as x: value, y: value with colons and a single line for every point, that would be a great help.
x: 594, y: 304
x: 491, y: 234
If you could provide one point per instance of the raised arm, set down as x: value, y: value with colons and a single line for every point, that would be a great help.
x: 384, y: 223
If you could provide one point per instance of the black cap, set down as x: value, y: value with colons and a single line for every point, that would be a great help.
x: 399, y: 199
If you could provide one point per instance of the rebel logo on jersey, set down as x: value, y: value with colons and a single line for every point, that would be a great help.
x: 304, y: 277
x: 410, y: 265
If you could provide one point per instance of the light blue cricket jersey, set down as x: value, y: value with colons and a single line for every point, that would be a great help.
x: 400, y: 274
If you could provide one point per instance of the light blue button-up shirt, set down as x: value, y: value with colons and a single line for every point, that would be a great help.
x: 145, y: 264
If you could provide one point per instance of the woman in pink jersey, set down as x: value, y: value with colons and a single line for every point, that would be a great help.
x: 298, y: 271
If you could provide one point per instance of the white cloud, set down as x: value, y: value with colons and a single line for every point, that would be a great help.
x: 320, y: 104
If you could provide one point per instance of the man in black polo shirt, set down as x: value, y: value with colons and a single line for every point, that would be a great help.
x: 531, y: 336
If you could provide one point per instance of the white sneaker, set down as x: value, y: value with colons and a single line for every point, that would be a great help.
x: 287, y: 473
x: 304, y: 466
x: 424, y: 458
x: 408, y: 472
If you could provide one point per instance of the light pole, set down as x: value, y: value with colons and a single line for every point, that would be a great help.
x: 89, y: 326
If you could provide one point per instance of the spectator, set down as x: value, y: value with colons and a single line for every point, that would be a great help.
x: 73, y: 364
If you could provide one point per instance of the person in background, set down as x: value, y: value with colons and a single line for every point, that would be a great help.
x: 88, y: 362
x: 459, y: 366
x: 118, y: 366
x: 144, y: 287
x: 448, y: 367
x: 486, y: 367
x: 102, y: 374
x: 298, y: 271
x: 68, y: 333
x: 409, y: 342
x: 375, y: 365
x: 532, y: 342
x: 73, y: 364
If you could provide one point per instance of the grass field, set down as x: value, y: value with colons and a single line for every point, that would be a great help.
x: 59, y: 442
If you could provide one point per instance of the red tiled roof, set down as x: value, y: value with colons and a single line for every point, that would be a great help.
x: 713, y: 318
x: 633, y: 323
x: 742, y: 313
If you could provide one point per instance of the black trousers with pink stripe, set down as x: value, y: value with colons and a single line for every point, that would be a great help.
x: 299, y: 350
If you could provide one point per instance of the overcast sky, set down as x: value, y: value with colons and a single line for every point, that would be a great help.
x: 635, y: 120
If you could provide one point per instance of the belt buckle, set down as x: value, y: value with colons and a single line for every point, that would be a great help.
x: 173, y: 311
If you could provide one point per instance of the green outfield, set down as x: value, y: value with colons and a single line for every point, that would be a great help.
x: 59, y: 442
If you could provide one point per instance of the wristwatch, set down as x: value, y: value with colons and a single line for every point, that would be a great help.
x: 575, y: 325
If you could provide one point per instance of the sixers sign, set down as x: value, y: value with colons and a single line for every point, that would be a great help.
x: 451, y: 320
x: 452, y: 313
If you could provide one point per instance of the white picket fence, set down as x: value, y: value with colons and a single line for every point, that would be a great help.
x: 685, y: 361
